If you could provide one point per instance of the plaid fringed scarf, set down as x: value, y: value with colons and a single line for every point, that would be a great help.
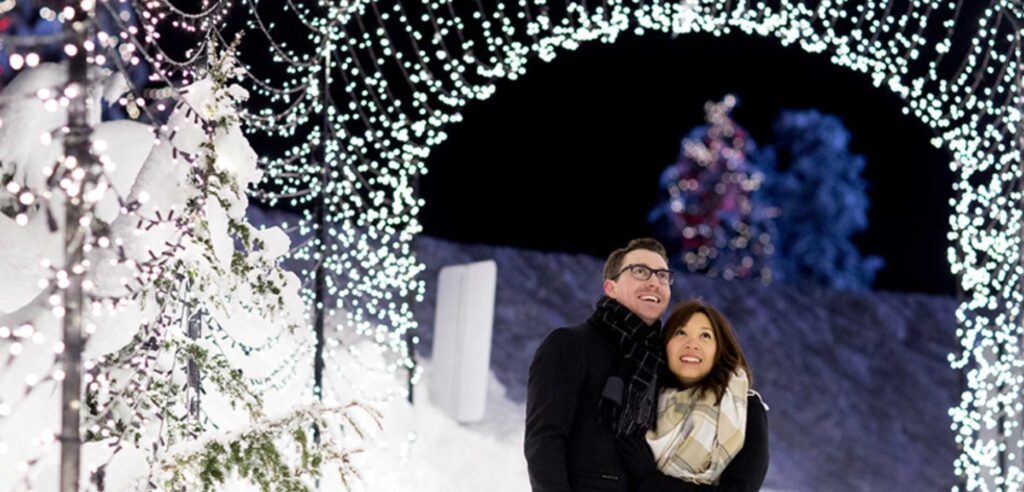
x: 696, y: 438
x: 629, y: 399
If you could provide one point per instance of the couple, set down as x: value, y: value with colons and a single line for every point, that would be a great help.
x: 619, y: 403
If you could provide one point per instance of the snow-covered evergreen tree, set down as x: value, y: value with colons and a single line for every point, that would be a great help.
x: 822, y: 200
x: 198, y: 358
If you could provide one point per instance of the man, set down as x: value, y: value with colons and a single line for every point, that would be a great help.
x: 597, y: 380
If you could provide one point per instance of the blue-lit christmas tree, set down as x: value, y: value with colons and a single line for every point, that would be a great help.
x: 817, y: 186
x: 709, y: 217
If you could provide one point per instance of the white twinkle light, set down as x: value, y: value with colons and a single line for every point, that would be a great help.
x: 401, y: 72
x: 448, y: 58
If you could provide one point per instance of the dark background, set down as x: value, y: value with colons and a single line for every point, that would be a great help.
x: 568, y: 157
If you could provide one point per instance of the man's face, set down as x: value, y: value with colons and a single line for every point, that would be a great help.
x: 645, y: 298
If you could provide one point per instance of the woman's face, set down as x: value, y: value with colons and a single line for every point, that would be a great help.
x: 691, y: 350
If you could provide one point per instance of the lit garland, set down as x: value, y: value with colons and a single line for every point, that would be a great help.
x: 157, y: 266
x: 369, y: 90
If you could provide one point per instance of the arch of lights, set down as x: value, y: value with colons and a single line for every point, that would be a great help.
x: 356, y: 94
x: 389, y: 76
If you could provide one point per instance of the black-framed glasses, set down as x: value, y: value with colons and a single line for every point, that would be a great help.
x: 641, y: 272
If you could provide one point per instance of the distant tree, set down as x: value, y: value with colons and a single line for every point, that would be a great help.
x: 816, y: 184
x: 708, y: 216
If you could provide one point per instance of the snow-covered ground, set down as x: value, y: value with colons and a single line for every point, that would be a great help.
x: 422, y: 449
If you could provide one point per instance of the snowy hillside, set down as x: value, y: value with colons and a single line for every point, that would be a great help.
x: 858, y: 384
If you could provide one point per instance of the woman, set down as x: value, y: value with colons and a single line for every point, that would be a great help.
x: 712, y: 429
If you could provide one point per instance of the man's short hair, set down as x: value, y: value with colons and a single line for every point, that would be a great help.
x: 614, y: 263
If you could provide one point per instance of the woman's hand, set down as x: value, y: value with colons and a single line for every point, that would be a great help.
x: 637, y: 456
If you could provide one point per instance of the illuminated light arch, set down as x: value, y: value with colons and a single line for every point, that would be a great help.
x: 359, y: 104
x: 377, y: 83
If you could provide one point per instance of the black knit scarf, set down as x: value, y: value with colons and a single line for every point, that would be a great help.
x: 629, y: 399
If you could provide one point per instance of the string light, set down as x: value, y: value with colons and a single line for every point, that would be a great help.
x: 128, y: 390
x: 399, y: 73
x: 358, y: 104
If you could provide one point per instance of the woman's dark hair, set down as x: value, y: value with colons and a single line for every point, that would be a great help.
x: 728, y: 356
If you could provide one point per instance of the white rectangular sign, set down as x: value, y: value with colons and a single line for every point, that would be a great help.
x: 463, y: 324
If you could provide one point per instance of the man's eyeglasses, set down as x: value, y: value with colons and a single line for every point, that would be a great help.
x: 644, y: 272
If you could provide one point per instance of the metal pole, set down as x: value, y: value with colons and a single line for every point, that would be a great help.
x: 320, y: 284
x: 319, y: 300
x: 78, y: 159
x: 320, y: 295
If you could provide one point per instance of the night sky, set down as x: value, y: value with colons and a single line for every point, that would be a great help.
x: 568, y: 157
